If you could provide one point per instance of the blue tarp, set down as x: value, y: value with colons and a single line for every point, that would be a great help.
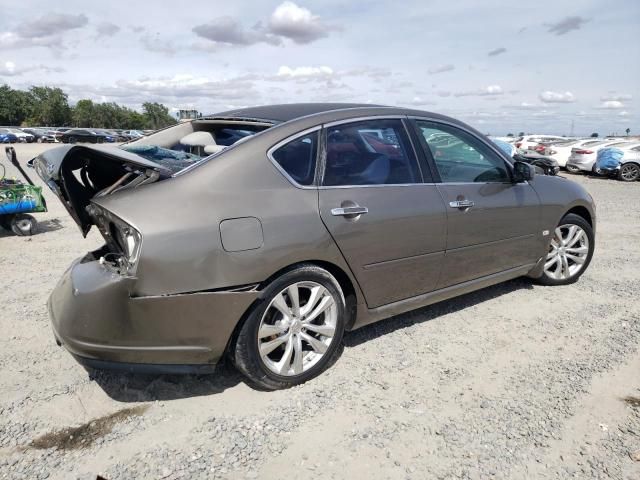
x: 506, y: 147
x: 609, y: 158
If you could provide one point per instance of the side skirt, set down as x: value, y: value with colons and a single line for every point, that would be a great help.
x: 368, y: 316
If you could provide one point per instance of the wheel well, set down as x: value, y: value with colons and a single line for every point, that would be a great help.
x: 340, y: 275
x: 581, y: 212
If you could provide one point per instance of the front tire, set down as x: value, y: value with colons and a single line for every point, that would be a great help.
x: 570, y: 251
x: 295, y: 330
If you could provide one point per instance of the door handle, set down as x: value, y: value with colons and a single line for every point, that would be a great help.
x: 345, y: 211
x: 461, y: 204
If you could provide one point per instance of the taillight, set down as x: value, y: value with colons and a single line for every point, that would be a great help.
x: 583, y: 152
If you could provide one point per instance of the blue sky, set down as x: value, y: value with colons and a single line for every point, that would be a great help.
x: 500, y: 66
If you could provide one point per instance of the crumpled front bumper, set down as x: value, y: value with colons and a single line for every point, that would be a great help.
x: 95, y: 317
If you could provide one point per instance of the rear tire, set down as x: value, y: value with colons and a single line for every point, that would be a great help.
x: 23, y: 225
x: 572, y: 169
x: 629, y: 172
x: 570, y: 251
x: 282, y: 343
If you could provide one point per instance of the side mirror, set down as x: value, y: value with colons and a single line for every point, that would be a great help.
x: 523, y: 172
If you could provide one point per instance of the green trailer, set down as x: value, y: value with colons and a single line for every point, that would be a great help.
x: 18, y: 200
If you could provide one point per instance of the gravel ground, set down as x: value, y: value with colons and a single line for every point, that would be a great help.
x: 514, y: 381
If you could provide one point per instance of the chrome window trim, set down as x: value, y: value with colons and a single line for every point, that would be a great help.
x: 332, y: 187
x: 287, y: 140
x: 364, y: 119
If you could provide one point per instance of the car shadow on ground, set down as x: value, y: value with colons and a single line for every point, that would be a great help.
x: 130, y: 387
x: 431, y: 312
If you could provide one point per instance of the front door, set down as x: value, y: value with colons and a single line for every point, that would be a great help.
x: 493, y: 223
x: 383, y: 214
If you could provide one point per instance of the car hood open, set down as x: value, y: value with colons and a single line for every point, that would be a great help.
x: 77, y: 174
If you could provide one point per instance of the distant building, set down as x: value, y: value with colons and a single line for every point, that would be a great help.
x: 188, y: 114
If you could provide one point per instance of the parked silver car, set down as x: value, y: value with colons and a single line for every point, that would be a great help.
x: 309, y: 220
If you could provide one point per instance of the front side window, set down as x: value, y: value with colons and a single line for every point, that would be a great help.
x: 371, y: 152
x: 460, y: 157
x: 298, y: 158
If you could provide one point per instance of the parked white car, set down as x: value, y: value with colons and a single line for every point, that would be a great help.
x: 528, y: 142
x: 582, y: 159
x: 560, y: 152
x: 630, y: 163
x: 22, y: 136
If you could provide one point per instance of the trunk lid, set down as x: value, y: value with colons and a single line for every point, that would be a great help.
x: 77, y: 174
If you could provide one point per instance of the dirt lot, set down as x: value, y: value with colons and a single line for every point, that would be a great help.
x: 514, y: 381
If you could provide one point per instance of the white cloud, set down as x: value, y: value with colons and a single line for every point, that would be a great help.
x: 51, y: 24
x: 288, y: 21
x: 297, y: 23
x: 490, y: 90
x: 612, y: 105
x: 616, y: 97
x: 440, y: 69
x: 624, y: 113
x: 297, y: 72
x: 10, y: 69
x: 556, y: 97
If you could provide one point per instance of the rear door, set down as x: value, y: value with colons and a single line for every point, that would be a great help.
x: 493, y: 223
x: 384, y: 213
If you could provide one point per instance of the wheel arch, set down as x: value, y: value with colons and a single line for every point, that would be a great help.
x: 343, y: 279
x: 581, y: 211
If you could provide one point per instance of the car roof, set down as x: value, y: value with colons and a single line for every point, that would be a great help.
x: 286, y: 112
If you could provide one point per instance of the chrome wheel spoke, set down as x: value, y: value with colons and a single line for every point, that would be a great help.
x: 295, y: 300
x: 268, y: 347
x: 316, y: 294
x: 317, y: 345
x: 551, y: 262
x: 267, y: 330
x: 323, y: 305
x: 284, y: 364
x: 281, y: 305
x: 564, y: 271
x: 578, y: 250
x: 297, y: 355
x: 326, y: 330
x: 575, y: 258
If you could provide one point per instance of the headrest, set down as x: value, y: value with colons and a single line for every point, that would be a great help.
x: 213, y: 148
x: 198, y: 139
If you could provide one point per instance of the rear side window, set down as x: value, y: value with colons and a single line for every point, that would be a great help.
x: 298, y: 158
x: 372, y: 152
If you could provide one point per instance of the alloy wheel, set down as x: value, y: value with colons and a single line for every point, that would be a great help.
x: 297, y: 328
x: 629, y: 172
x: 568, y: 252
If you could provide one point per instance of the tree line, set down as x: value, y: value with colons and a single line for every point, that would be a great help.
x: 49, y: 107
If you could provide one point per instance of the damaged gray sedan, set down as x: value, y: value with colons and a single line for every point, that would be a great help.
x: 263, y: 234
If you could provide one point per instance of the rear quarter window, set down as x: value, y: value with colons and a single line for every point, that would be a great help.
x: 297, y: 158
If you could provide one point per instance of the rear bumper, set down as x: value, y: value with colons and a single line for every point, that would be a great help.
x: 95, y: 318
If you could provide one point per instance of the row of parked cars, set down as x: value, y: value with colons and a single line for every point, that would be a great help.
x: 580, y: 155
x: 68, y: 135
